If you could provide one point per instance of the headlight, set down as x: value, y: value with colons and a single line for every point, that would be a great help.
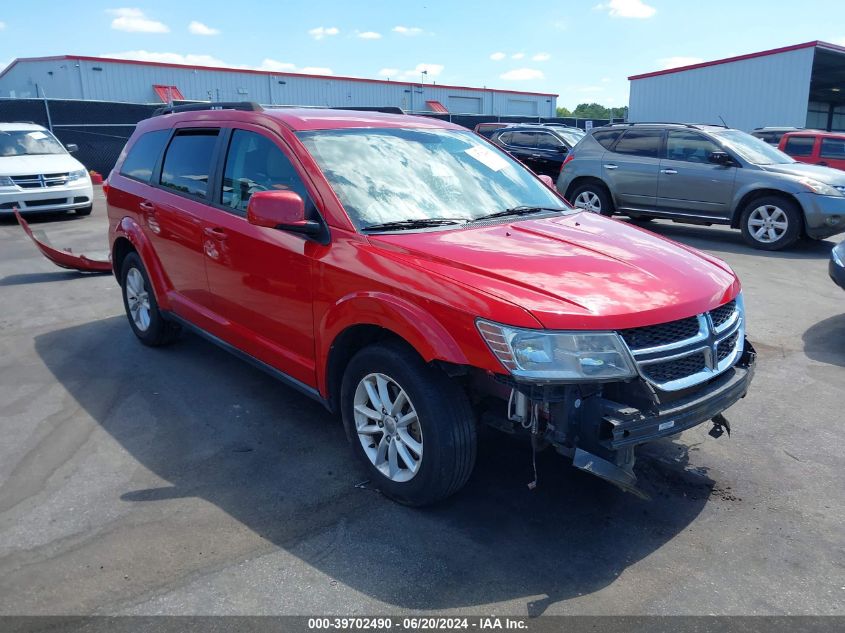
x: 6, y: 181
x: 543, y: 355
x: 77, y: 175
x: 819, y: 187
x: 838, y: 254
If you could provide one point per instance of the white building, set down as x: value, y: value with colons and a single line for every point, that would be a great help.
x: 799, y: 86
x: 104, y: 79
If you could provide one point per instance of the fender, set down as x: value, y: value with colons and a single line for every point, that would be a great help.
x: 407, y: 320
x: 132, y: 231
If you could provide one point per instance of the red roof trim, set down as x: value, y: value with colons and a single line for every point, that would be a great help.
x: 258, y: 72
x: 738, y: 58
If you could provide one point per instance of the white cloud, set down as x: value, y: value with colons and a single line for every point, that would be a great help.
x: 517, y: 55
x: 522, y: 74
x: 2, y: 25
x: 320, y: 32
x: 541, y: 57
x: 388, y: 72
x: 627, y: 9
x: 839, y: 42
x: 369, y: 35
x: 560, y: 25
x: 408, y: 30
x: 135, y: 21
x: 169, y: 58
x: 274, y: 65
x: 675, y: 62
x: 499, y: 56
x: 198, y: 28
x: 605, y: 80
x: 315, y: 70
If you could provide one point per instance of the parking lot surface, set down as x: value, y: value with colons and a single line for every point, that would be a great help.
x: 181, y: 480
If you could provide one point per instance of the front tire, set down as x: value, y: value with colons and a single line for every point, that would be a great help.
x: 593, y: 197
x: 771, y: 223
x: 145, y: 318
x: 409, y: 423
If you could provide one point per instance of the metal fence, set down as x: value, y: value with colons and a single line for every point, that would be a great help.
x: 101, y: 128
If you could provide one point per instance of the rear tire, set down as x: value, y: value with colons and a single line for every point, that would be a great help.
x: 594, y: 198
x: 85, y: 210
x: 145, y: 318
x: 411, y: 425
x: 771, y: 223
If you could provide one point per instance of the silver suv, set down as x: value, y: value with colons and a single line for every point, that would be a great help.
x: 704, y: 174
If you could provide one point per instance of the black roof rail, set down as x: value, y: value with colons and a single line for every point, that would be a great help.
x: 217, y: 105
x: 690, y: 125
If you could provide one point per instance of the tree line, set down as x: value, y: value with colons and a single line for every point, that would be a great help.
x: 592, y: 111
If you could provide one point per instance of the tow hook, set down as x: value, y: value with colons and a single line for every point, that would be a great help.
x: 720, y: 425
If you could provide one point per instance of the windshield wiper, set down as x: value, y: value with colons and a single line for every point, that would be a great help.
x: 520, y: 210
x: 418, y: 223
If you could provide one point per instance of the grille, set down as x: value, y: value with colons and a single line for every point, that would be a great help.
x: 27, y: 182
x: 37, y: 181
x: 723, y: 314
x: 45, y: 202
x: 675, y: 369
x: 726, y: 347
x: 663, y: 334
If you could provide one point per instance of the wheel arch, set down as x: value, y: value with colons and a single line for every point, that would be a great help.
x: 749, y: 196
x: 130, y: 231
x: 583, y: 180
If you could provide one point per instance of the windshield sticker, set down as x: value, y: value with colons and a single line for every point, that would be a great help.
x: 37, y: 135
x: 487, y: 157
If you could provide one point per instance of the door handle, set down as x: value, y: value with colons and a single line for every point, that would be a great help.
x: 147, y: 207
x: 215, y: 232
x: 668, y: 171
x: 611, y: 166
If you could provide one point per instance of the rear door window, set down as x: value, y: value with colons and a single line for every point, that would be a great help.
x: 523, y: 139
x: 188, y: 161
x: 800, y: 145
x: 142, y: 158
x: 607, y: 137
x: 548, y: 142
x: 644, y: 143
x: 255, y: 163
x: 833, y: 148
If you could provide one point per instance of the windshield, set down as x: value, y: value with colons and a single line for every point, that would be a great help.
x: 28, y: 142
x: 396, y: 175
x: 753, y: 149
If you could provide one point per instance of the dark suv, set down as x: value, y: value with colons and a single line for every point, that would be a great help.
x: 541, y: 148
x: 704, y: 174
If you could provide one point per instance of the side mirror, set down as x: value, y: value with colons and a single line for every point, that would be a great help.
x: 71, y: 148
x: 547, y: 180
x: 720, y: 158
x: 283, y: 210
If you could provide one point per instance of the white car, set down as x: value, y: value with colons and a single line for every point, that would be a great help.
x: 37, y: 173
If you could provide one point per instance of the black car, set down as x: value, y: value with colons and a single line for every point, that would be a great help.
x: 837, y: 265
x: 541, y: 148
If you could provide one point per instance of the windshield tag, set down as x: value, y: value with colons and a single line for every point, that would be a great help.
x: 37, y: 135
x: 487, y: 157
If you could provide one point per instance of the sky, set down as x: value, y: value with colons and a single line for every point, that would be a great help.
x: 582, y: 50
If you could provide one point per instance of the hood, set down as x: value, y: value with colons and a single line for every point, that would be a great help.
x: 37, y: 164
x: 827, y: 175
x: 580, y: 271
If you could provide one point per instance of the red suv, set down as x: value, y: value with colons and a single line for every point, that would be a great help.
x: 814, y: 147
x: 418, y: 281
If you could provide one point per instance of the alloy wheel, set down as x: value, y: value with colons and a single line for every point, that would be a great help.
x: 767, y: 223
x: 138, y: 299
x: 388, y: 427
x: 589, y: 201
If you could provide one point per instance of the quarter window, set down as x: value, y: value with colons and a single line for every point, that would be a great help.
x: 833, y: 148
x: 254, y: 163
x: 645, y: 143
x: 607, y: 137
x: 800, y: 145
x: 187, y: 163
x: 141, y: 160
x: 689, y: 146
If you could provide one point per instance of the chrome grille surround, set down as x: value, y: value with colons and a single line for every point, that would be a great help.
x: 40, y: 181
x: 684, y: 362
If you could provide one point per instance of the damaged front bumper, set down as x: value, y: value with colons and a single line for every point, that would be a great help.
x: 63, y: 258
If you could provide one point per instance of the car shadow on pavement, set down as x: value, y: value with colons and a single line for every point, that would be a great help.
x: 717, y: 238
x: 825, y: 341
x: 22, y: 279
x: 219, y: 430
